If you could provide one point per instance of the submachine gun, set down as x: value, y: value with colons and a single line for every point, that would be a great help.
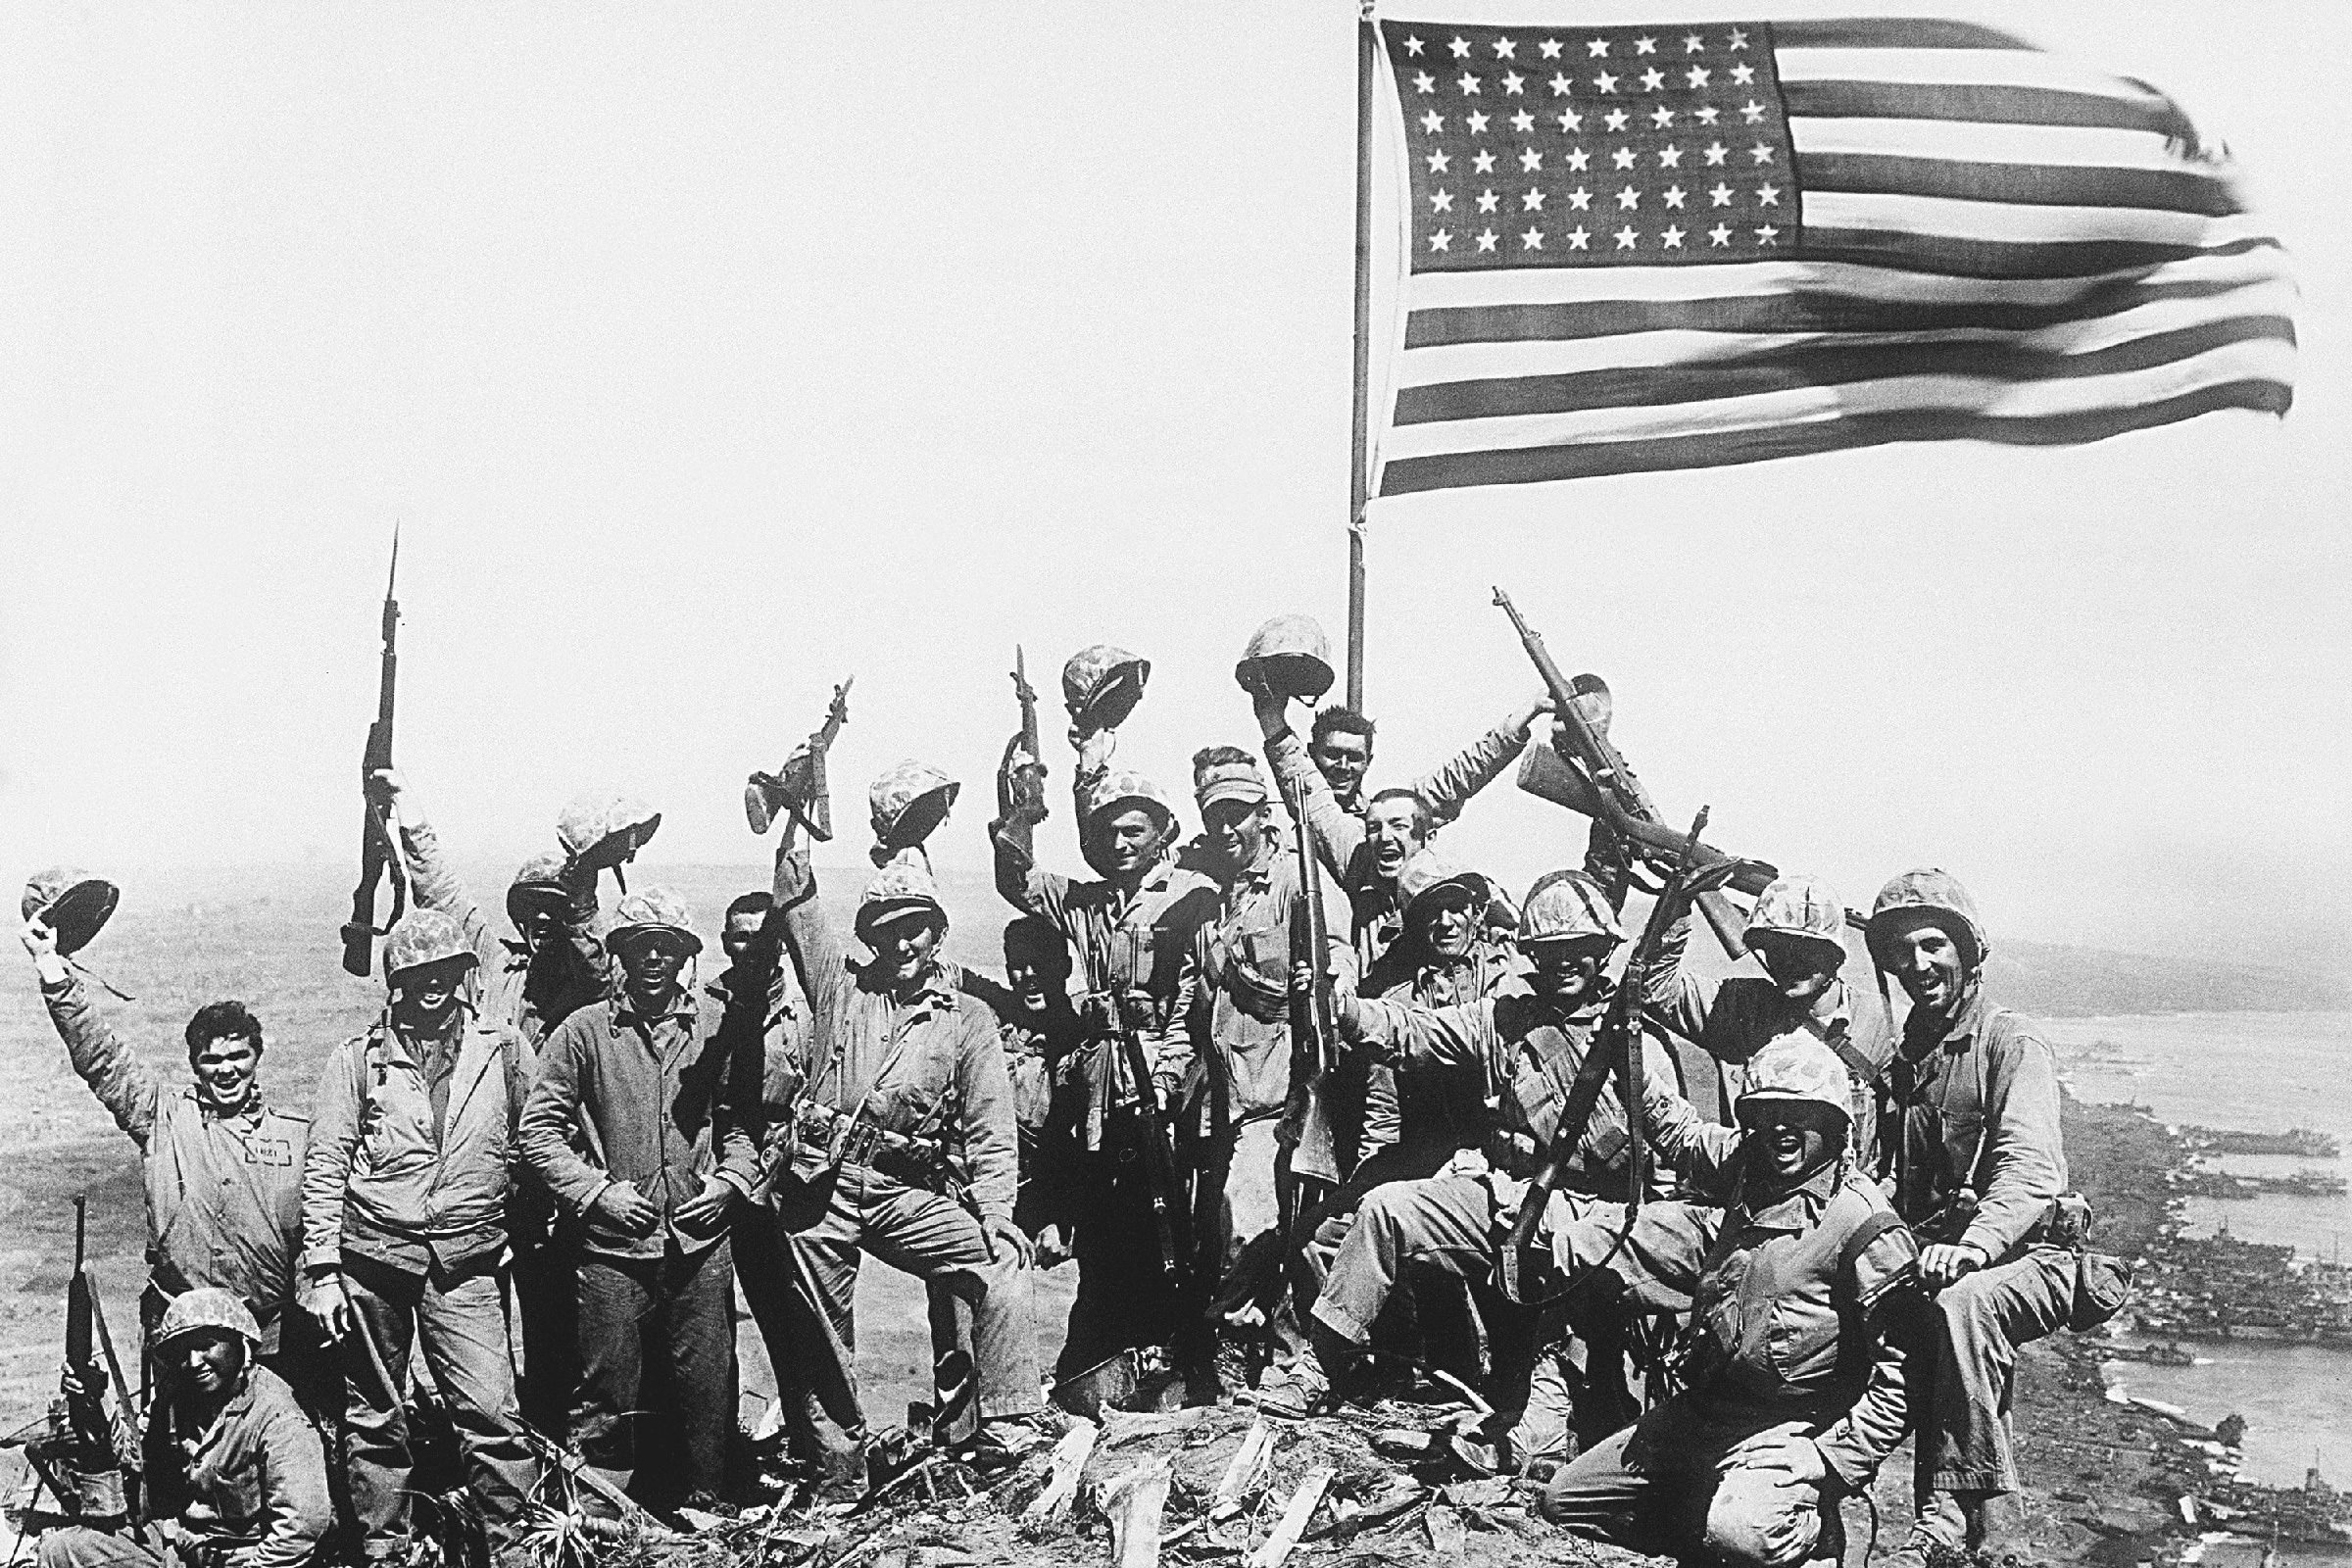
x: 798, y: 788
x: 379, y: 853
x: 1022, y: 792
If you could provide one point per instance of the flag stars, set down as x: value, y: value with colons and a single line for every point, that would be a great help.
x: 1623, y: 157
x: 1767, y: 195
x: 1440, y: 201
x: 1579, y: 239
x: 1460, y: 47
x: 1477, y: 122
x: 1605, y: 82
x: 1513, y: 83
x: 1653, y: 79
x: 1523, y: 123
x: 1738, y: 40
x: 1533, y: 201
x: 1580, y: 200
x: 1720, y: 234
x: 1505, y: 49
x: 1484, y: 163
x: 1716, y: 153
x: 1661, y: 117
x: 1721, y: 196
x: 1675, y: 195
x: 1699, y: 76
x: 1413, y: 47
x: 1598, y: 48
x: 1550, y: 48
x: 1532, y: 240
x: 1560, y: 86
x: 1487, y: 200
x: 1530, y: 160
x: 1626, y: 237
x: 1646, y: 46
x: 1670, y: 157
x: 1743, y: 75
x: 1469, y: 84
x: 1615, y: 118
x: 1438, y: 161
x: 1570, y: 121
x: 1694, y: 44
x: 1751, y: 112
x: 1761, y: 153
x: 1707, y: 115
x: 1629, y: 199
x: 1577, y: 158
x: 1671, y: 238
x: 1433, y: 122
x: 1768, y: 235
x: 1485, y: 239
x: 1424, y: 82
x: 1441, y: 240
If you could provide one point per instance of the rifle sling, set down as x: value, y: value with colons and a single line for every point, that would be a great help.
x: 1567, y: 1132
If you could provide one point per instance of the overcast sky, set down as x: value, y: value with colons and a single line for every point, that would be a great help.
x: 708, y: 353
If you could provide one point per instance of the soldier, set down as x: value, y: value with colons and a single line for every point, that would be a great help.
x: 1042, y: 1034
x: 1970, y: 1147
x: 1240, y: 1082
x: 1793, y: 1392
x: 903, y: 1147
x: 223, y: 1168
x: 671, y: 1115
x: 1132, y: 932
x: 233, y: 1468
x: 1522, y: 1050
x: 1367, y: 840
x: 404, y: 1202
x: 530, y: 982
x: 1796, y: 931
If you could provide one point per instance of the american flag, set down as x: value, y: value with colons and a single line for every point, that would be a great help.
x: 1667, y: 246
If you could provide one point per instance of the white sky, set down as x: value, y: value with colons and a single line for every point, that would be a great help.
x: 710, y: 353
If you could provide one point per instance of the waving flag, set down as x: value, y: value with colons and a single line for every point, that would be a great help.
x: 1642, y: 248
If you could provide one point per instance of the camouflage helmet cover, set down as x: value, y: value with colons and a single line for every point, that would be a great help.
x: 588, y: 820
x: 904, y: 886
x: 422, y: 936
x: 1936, y: 893
x: 1102, y: 684
x: 1798, y: 905
x: 1125, y: 787
x: 537, y: 879
x: 1289, y: 655
x: 1798, y: 1067
x: 1564, y: 905
x: 72, y: 902
x: 207, y: 1306
x: 908, y: 801
x: 649, y: 913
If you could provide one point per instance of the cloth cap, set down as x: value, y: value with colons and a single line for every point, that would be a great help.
x: 422, y: 936
x: 649, y: 912
x: 72, y: 904
x: 1798, y: 1067
x: 1564, y: 905
x: 208, y: 1306
x: 1228, y: 781
x: 1798, y: 905
x: 1936, y: 894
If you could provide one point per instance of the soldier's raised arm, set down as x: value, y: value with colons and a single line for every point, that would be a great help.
x: 124, y: 1085
x: 1448, y: 787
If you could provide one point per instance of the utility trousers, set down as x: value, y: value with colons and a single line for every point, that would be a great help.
x: 677, y: 1313
x: 1964, y: 1344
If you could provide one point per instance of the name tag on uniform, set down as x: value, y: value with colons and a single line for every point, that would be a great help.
x: 268, y: 1151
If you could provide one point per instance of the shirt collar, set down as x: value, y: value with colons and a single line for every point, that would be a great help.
x: 624, y: 1012
x: 1919, y: 1030
x: 1796, y: 1209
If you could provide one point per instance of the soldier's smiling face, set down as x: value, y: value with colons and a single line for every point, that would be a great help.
x: 1345, y: 757
x: 1446, y: 923
x: 903, y: 947
x: 1801, y: 966
x: 1236, y: 830
x: 425, y: 996
x: 1130, y: 840
x: 206, y: 1361
x: 1393, y: 827
x: 1931, y: 966
x: 225, y: 1069
x: 1567, y: 973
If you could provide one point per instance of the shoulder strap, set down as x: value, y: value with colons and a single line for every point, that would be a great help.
x: 1878, y: 1224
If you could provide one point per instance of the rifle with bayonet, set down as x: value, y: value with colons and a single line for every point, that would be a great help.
x: 1615, y: 1051
x: 1583, y: 771
x: 379, y: 854
x: 1314, y: 1029
x: 1021, y: 791
x: 798, y: 789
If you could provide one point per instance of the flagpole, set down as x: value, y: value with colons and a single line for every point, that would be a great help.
x: 1367, y: 43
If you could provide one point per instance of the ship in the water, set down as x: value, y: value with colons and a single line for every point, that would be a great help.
x: 2299, y: 1141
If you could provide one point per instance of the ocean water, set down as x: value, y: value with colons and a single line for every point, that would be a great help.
x: 2262, y: 1072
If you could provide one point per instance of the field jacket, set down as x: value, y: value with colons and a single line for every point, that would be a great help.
x: 223, y: 1192
x: 1741, y: 1015
x: 252, y: 1484
x: 381, y: 1182
x: 1420, y: 1120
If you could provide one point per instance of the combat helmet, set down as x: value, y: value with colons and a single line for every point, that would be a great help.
x: 422, y: 936
x: 1798, y: 1067
x: 1288, y: 655
x: 537, y: 880
x: 72, y: 902
x: 208, y: 1306
x: 1936, y: 894
x: 591, y: 827
x: 1565, y: 906
x: 1427, y: 872
x: 907, y: 801
x: 1102, y: 684
x: 1795, y: 905
x: 903, y: 888
x: 656, y: 911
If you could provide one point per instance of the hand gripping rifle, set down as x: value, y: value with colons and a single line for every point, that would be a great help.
x: 798, y: 788
x: 1022, y: 792
x: 1586, y: 774
x: 380, y: 853
x: 1616, y: 1047
x: 1108, y: 1009
x: 1314, y: 1029
x: 88, y: 1451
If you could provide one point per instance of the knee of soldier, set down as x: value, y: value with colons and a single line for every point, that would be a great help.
x: 1967, y: 1304
x: 1384, y: 1208
x: 67, y: 1547
x: 1761, y: 1517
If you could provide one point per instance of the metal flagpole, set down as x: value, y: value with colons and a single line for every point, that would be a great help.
x: 1367, y: 40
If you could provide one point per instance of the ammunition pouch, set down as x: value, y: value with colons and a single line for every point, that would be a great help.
x: 829, y: 1139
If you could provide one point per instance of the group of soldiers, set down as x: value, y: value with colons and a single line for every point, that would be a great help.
x: 535, y: 1186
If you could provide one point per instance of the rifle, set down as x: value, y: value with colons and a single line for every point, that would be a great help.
x: 1616, y: 1047
x: 1312, y: 1020
x: 379, y: 854
x: 1159, y: 1157
x: 799, y: 786
x: 90, y: 1454
x: 1022, y: 793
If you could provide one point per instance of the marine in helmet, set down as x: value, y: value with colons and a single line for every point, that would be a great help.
x: 905, y: 1145
x: 1795, y: 1394
x: 234, y: 1470
x: 1242, y: 1148
x: 1797, y: 932
x: 1971, y: 1150
x: 1130, y: 931
x: 1364, y: 838
x: 1519, y: 1049
x: 673, y: 1111
x: 222, y: 1166
x: 404, y: 1202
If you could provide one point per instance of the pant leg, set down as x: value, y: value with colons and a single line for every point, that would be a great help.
x: 546, y: 1301
x: 1125, y: 1297
x: 375, y: 1424
x: 1978, y: 1323
x: 1649, y: 1488
x: 1604, y: 1496
x: 824, y: 1423
x: 1445, y: 1223
x: 462, y: 1329
x: 1764, y: 1517
x: 80, y: 1547
x: 615, y: 1305
x: 700, y: 1321
x: 938, y: 1240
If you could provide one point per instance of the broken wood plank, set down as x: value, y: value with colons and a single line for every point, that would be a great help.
x: 1069, y: 1464
x: 1444, y: 1527
x: 1295, y: 1516
x: 1124, y: 1426
x: 1134, y: 1504
x: 1245, y: 1472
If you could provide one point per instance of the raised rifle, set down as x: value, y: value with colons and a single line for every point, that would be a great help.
x: 1314, y: 1028
x: 799, y: 788
x: 1593, y: 778
x: 88, y: 1451
x: 1616, y: 1049
x: 1022, y: 791
x: 379, y: 854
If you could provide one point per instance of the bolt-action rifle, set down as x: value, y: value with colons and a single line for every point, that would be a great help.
x: 798, y: 788
x: 87, y: 1451
x: 379, y: 854
x: 1021, y: 791
x: 1314, y: 1031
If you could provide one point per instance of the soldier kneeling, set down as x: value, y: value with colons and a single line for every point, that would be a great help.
x: 1793, y: 1393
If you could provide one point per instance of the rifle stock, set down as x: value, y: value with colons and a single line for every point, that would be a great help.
x: 378, y: 854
